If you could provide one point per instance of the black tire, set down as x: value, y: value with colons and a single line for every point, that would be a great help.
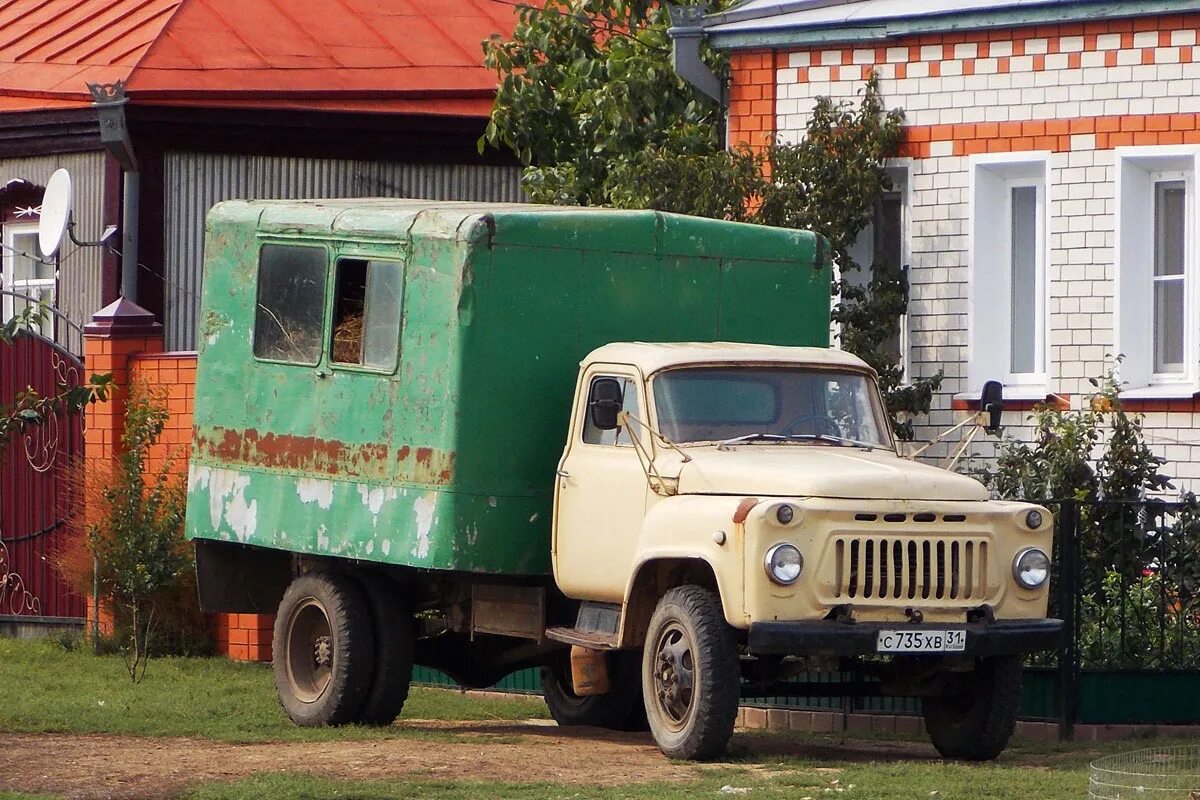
x: 323, y: 650
x: 690, y: 675
x: 619, y: 709
x: 392, y: 625
x: 976, y: 721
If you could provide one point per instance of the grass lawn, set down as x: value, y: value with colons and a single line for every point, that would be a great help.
x: 45, y: 689
x: 48, y: 690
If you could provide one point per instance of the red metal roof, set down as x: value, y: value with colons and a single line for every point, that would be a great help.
x: 398, y: 56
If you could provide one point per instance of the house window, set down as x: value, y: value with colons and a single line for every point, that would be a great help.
x: 884, y: 242
x: 1170, y: 203
x: 366, y: 313
x: 25, y: 270
x: 1156, y: 311
x: 290, y: 307
x: 1007, y: 311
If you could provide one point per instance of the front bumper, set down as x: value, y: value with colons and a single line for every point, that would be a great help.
x: 827, y: 637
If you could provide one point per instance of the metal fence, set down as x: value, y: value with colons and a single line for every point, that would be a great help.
x: 1127, y: 587
x: 1125, y: 582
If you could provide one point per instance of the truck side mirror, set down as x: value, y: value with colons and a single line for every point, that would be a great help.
x: 604, y: 403
x: 991, y: 402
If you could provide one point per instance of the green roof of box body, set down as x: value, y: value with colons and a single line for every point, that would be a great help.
x: 449, y: 462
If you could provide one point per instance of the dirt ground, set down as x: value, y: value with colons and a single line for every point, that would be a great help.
x: 95, y: 766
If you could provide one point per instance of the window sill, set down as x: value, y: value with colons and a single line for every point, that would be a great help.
x: 1179, y: 397
x: 1161, y: 391
x: 1016, y: 398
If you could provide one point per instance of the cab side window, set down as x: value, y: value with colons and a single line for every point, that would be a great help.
x: 629, y: 402
x: 290, y: 306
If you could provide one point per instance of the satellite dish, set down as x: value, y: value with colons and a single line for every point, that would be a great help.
x: 56, y: 212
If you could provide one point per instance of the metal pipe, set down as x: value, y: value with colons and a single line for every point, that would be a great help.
x: 686, y: 33
x: 129, y: 235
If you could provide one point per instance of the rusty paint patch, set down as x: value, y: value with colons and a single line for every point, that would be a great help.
x: 306, y: 454
x: 430, y: 467
x: 743, y: 509
x: 315, y: 456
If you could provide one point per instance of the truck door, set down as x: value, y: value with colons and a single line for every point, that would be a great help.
x: 600, y: 494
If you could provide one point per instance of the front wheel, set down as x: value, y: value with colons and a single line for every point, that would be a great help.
x: 323, y: 650
x: 690, y: 675
x: 975, y: 722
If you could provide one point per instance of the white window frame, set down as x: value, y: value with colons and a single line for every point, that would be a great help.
x: 1138, y: 169
x: 992, y: 178
x: 900, y: 171
x: 7, y: 273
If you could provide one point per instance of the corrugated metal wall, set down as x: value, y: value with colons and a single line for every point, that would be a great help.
x: 196, y: 181
x: 79, y: 267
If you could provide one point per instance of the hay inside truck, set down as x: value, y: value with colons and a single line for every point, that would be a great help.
x: 487, y: 438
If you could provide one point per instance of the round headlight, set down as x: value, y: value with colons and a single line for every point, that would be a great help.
x: 1031, y: 567
x: 784, y: 563
x: 785, y: 514
x: 1034, y: 519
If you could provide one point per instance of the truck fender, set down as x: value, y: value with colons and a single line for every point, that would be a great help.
x: 653, y: 576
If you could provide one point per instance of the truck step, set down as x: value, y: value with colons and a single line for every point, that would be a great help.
x: 593, y: 640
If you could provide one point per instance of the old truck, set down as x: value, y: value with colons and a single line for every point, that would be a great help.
x: 613, y: 445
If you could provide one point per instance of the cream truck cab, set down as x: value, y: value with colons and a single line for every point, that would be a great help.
x: 736, y: 512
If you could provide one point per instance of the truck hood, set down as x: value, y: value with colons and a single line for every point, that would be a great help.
x: 820, y: 471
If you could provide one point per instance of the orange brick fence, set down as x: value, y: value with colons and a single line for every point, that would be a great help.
x: 124, y: 340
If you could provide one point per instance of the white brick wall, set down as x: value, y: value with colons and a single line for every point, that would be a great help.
x: 1035, y: 79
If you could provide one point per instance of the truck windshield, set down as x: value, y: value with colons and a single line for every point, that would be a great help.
x: 769, y: 405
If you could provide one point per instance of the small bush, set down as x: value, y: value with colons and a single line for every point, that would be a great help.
x: 135, y: 539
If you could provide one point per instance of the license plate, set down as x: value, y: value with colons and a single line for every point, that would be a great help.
x: 921, y: 642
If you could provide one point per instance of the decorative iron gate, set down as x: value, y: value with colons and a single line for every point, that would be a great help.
x: 40, y: 479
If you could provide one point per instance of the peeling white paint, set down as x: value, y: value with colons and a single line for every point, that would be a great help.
x: 370, y: 546
x: 322, y: 538
x: 423, y: 508
x: 386, y: 547
x: 197, y: 475
x: 314, y: 490
x: 226, y: 498
x: 240, y: 515
x: 373, y: 497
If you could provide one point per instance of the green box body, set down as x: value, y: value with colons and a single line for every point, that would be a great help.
x: 448, y: 462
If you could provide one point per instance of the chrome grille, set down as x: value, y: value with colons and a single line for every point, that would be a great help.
x: 888, y: 568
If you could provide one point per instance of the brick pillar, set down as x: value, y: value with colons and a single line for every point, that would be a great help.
x: 116, y: 333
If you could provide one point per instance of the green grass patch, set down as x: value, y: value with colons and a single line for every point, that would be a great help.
x: 76, y: 692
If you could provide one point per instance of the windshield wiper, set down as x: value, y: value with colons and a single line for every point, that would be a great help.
x: 831, y: 439
x: 752, y: 437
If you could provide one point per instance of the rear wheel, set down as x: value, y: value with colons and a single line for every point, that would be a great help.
x: 690, y: 675
x: 619, y: 709
x: 392, y: 625
x: 323, y: 650
x: 975, y: 722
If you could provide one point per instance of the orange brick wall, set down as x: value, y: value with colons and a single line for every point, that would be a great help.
x: 175, y: 375
x: 752, y: 98
x: 244, y: 637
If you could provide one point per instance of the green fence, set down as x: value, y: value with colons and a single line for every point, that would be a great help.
x: 1105, y: 696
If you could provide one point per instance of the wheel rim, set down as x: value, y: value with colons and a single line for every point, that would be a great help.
x: 675, y: 675
x: 309, y: 651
